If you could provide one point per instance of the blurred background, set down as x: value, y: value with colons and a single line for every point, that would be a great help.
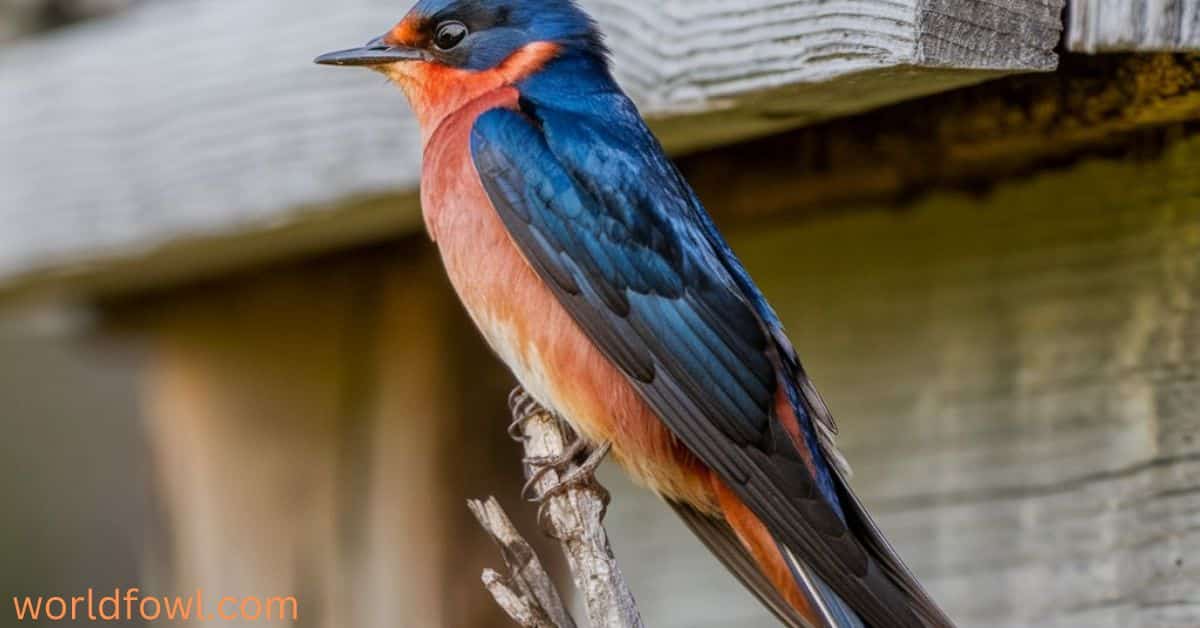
x: 229, y: 358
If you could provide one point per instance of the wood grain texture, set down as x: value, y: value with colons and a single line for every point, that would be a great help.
x: 184, y: 138
x: 1125, y: 25
x: 1017, y: 378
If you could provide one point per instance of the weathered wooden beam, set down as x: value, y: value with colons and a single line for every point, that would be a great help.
x: 19, y: 18
x: 185, y: 138
x: 968, y: 139
x: 716, y: 71
x: 1128, y: 25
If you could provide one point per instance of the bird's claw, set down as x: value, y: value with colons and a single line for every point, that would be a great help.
x: 583, y: 477
x: 524, y: 408
x: 539, y: 467
x: 560, y: 462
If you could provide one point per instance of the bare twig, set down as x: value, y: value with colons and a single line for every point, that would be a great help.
x: 574, y: 507
x: 527, y: 594
x: 518, y: 606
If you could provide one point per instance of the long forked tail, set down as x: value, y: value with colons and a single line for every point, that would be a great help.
x: 809, y: 602
x: 783, y: 582
x: 835, y: 612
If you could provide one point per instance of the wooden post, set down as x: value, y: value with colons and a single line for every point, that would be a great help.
x: 314, y: 435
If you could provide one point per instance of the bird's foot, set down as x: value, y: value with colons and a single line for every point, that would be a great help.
x: 558, y: 463
x: 582, y: 476
x: 579, y: 477
x: 562, y: 465
x: 569, y: 475
x: 524, y: 408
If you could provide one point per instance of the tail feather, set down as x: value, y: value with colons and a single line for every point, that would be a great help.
x: 835, y: 612
x: 807, y: 593
x: 809, y: 598
x: 723, y: 542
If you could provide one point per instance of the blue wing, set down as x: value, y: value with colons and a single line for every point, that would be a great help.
x: 612, y: 227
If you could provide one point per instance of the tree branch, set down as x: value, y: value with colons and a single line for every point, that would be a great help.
x: 527, y: 594
x: 573, y: 512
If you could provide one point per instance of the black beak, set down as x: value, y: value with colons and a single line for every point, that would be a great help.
x: 375, y: 52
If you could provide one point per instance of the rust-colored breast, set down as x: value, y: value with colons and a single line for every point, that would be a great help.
x: 527, y: 327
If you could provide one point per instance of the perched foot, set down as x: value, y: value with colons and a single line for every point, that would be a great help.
x: 583, y: 476
x: 580, y: 477
x: 559, y: 463
x: 524, y: 408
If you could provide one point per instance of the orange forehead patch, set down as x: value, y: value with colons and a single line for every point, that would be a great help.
x: 409, y: 33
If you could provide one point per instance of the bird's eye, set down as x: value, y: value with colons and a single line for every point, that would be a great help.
x: 450, y: 35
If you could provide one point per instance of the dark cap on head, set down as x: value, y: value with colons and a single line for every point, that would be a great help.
x: 476, y: 34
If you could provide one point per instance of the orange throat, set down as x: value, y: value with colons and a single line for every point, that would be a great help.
x: 437, y: 91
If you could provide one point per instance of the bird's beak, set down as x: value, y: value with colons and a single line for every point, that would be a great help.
x: 375, y: 52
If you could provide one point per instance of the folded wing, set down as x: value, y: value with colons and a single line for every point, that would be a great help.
x: 605, y: 219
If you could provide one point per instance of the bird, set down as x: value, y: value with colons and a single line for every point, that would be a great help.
x: 596, y: 275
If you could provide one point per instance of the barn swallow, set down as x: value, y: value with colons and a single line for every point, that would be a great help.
x: 594, y: 272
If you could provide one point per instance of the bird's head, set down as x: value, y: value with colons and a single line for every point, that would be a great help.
x: 446, y: 53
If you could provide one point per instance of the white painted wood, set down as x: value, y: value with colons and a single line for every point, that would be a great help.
x: 172, y: 140
x: 1122, y: 25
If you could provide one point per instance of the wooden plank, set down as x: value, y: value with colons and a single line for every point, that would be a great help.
x: 968, y: 139
x: 124, y: 163
x: 243, y: 409
x: 1125, y: 25
x: 1017, y: 377
x: 21, y: 17
x: 308, y: 441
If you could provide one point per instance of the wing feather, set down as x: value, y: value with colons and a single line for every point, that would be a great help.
x: 609, y: 223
